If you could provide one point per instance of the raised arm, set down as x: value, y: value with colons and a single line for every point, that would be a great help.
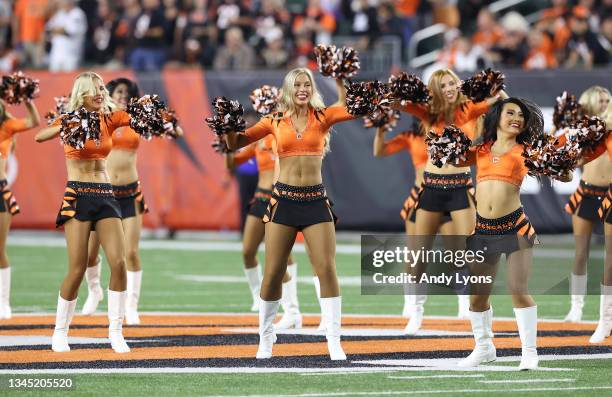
x: 341, y: 93
x: 33, y: 119
x: 392, y: 146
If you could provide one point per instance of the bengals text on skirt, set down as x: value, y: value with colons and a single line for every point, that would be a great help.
x: 130, y: 199
x: 586, y: 201
x: 299, y: 206
x: 87, y: 201
x: 507, y: 234
x: 9, y: 204
x: 446, y: 193
x: 259, y: 203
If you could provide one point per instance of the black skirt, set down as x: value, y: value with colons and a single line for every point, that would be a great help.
x: 506, y: 234
x: 86, y: 201
x: 586, y: 201
x: 299, y: 206
x: 8, y: 202
x: 259, y: 203
x: 446, y: 193
x: 606, y: 204
x: 131, y: 200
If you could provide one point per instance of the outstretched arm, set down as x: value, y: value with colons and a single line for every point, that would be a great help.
x: 33, y: 119
x: 48, y: 133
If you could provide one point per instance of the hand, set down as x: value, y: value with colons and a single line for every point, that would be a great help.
x: 169, y: 129
x: 567, y: 177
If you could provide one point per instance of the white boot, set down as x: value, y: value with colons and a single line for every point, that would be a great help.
x: 527, y: 322
x: 5, y: 293
x: 63, y: 318
x: 267, y: 313
x: 134, y: 280
x: 253, y: 276
x: 94, y: 291
x: 116, y: 312
x: 577, y: 290
x: 604, y: 326
x: 464, y: 307
x: 332, y: 312
x: 484, y: 350
x: 292, y: 318
x: 418, y: 298
x: 317, y: 285
x: 407, y: 306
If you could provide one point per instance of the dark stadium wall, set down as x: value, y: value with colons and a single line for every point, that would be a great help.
x: 185, y: 182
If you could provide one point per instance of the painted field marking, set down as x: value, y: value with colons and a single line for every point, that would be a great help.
x: 435, y: 376
x: 528, y: 380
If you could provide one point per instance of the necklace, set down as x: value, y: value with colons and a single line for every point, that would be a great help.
x: 298, y: 134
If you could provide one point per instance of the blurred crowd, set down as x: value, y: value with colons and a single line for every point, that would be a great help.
x: 63, y: 35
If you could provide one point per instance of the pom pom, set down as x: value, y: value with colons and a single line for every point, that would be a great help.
x: 79, y: 126
x: 586, y: 133
x: 381, y: 117
x: 567, y: 110
x: 61, y: 106
x: 451, y: 147
x: 264, y: 99
x: 365, y: 97
x: 17, y: 88
x: 544, y: 157
x: 483, y: 85
x: 150, y: 118
x: 228, y: 116
x: 337, y: 62
x: 408, y: 87
x: 220, y: 146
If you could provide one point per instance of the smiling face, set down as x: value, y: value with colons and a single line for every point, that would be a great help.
x: 94, y: 100
x: 121, y: 95
x: 302, y: 90
x: 449, y: 88
x: 602, y: 103
x: 512, y: 119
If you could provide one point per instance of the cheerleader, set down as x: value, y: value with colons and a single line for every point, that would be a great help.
x: 414, y: 142
x: 264, y: 152
x: 445, y: 189
x: 583, y: 205
x: 9, y: 126
x: 299, y: 203
x: 502, y: 227
x: 89, y: 205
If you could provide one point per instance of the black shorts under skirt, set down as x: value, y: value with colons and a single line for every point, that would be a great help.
x: 259, y: 203
x: 8, y: 202
x: 586, y: 201
x: 506, y: 234
x: 446, y: 193
x: 86, y: 201
x: 299, y: 206
x: 131, y: 200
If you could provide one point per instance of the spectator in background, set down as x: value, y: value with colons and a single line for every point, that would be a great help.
x: 458, y: 53
x: 149, y: 30
x: 5, y: 21
x: 124, y: 36
x: 446, y: 12
x: 584, y: 49
x: 231, y: 13
x: 605, y: 35
x: 200, y: 35
x: 270, y: 18
x: 104, y: 38
x: 28, y: 30
x: 303, y: 53
x: 512, y: 48
x: 67, y: 29
x: 389, y: 24
x: 274, y: 55
x: 171, y: 14
x: 541, y: 52
x: 235, y: 54
x: 406, y: 12
x: 488, y: 32
x: 364, y: 23
x: 316, y: 23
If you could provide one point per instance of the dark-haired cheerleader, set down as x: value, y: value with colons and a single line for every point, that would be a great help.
x: 9, y: 126
x: 445, y: 189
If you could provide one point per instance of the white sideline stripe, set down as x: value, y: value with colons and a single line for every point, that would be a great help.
x: 528, y: 380
x: 436, y: 377
x: 193, y: 370
x: 357, y: 371
x: 29, y: 241
x: 347, y: 281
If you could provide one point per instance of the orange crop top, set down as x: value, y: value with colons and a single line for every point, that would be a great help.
x: 264, y: 152
x: 125, y: 138
x: 509, y: 167
x: 604, y: 145
x: 464, y: 118
x: 108, y: 123
x: 415, y: 144
x: 9, y: 128
x: 311, y: 142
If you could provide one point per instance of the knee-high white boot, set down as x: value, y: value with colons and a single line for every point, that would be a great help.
x: 134, y: 281
x: 604, y: 326
x: 116, y: 312
x: 332, y: 312
x: 292, y: 318
x: 417, y: 298
x: 5, y: 293
x: 267, y: 313
x: 63, y: 318
x: 317, y: 285
x: 95, y: 294
x: 463, y: 301
x: 484, y: 349
x: 527, y: 322
x: 578, y: 286
x: 253, y: 276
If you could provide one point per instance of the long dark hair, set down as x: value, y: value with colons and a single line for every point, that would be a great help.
x: 133, y: 91
x: 534, y: 121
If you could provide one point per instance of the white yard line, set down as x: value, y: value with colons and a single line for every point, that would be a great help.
x: 528, y: 381
x: 435, y: 377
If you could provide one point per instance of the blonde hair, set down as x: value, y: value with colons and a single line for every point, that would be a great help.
x: 438, y: 105
x: 607, y: 116
x: 84, y: 85
x: 286, y: 105
x: 589, y: 100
